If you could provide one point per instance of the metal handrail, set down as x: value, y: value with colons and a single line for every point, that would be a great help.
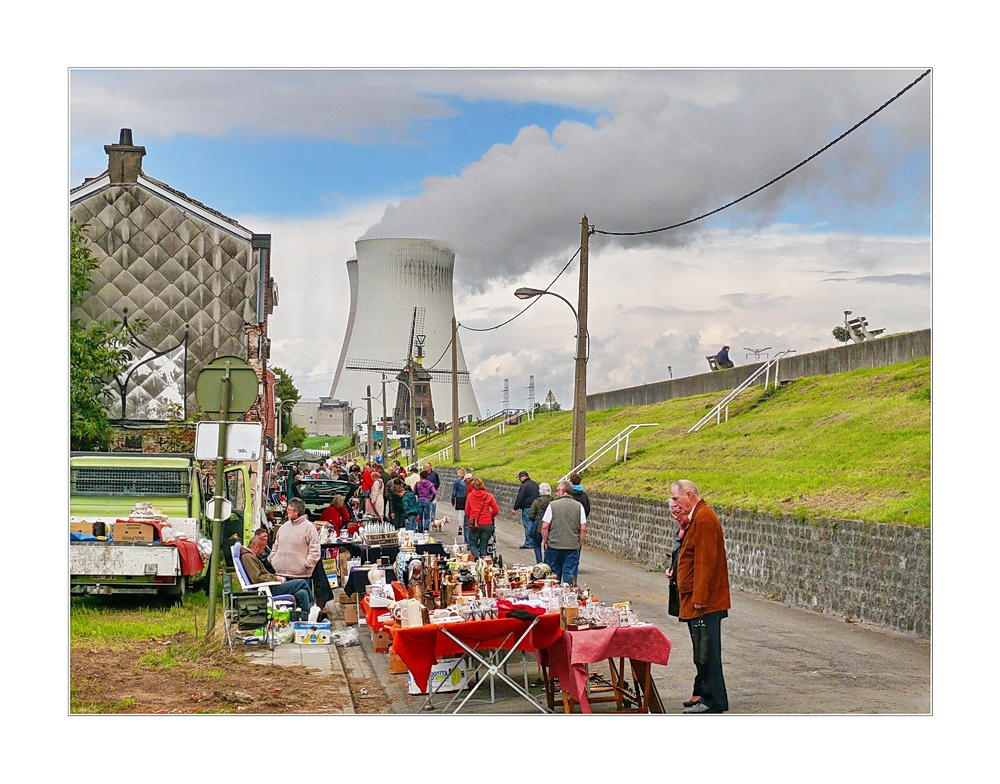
x: 615, y: 442
x: 501, y: 426
x: 723, y: 405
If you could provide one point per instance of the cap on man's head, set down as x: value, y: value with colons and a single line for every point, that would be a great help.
x: 523, y: 475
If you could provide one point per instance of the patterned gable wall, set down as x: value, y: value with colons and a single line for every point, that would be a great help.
x: 172, y: 269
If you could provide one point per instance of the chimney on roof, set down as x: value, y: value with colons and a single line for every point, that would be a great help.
x: 124, y: 159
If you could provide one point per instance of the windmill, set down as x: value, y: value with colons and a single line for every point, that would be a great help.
x: 412, y: 372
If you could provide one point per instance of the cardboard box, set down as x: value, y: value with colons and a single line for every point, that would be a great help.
x: 396, y: 664
x: 346, y: 598
x: 133, y: 532
x: 312, y: 633
x: 381, y: 640
x: 81, y: 528
x: 350, y: 615
x: 456, y: 681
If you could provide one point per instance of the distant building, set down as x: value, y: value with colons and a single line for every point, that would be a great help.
x: 323, y: 416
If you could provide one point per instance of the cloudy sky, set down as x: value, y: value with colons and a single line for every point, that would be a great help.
x: 503, y: 164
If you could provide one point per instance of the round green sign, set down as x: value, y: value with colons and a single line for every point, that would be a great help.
x: 243, y: 386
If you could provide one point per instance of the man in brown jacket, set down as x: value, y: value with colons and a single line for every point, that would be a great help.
x: 703, y: 585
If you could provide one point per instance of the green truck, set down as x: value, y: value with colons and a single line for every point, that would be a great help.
x: 106, y: 486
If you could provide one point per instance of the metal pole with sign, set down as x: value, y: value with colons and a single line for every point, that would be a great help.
x: 226, y: 388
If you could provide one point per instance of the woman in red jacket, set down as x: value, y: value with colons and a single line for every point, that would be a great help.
x: 337, y: 514
x: 480, y: 510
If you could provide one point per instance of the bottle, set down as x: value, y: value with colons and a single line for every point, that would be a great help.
x: 314, y: 613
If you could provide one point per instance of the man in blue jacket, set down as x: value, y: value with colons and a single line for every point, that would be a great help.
x: 527, y: 493
x: 723, y: 358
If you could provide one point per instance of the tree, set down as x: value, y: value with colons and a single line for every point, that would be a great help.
x: 98, y: 353
x: 841, y: 334
x: 294, y: 436
x: 286, y: 390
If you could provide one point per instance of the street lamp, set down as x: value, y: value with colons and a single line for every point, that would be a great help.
x: 580, y: 379
x: 280, y: 404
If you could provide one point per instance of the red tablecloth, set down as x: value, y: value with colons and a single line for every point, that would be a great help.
x: 570, y: 653
x: 372, y: 613
x: 420, y: 647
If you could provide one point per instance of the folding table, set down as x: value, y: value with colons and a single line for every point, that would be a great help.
x: 489, y: 643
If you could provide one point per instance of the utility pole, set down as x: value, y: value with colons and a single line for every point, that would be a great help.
x: 385, y: 428
x: 368, y: 446
x: 413, y: 417
x: 580, y: 382
x: 454, y: 390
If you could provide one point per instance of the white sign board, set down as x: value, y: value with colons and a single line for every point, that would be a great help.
x: 243, y: 441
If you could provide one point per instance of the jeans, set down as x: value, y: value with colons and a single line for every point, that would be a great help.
x: 706, y: 642
x: 434, y: 510
x: 411, y: 523
x: 526, y: 522
x: 424, y: 519
x: 462, y: 525
x: 297, y: 587
x: 563, y: 563
x: 479, y: 540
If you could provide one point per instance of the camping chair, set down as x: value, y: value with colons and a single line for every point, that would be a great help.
x: 254, y: 590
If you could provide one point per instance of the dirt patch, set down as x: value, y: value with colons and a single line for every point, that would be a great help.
x: 178, y: 675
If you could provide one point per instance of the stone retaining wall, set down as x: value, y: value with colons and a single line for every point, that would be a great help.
x: 876, y: 573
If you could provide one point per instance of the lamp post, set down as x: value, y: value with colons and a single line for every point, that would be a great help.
x: 281, y: 404
x: 580, y: 380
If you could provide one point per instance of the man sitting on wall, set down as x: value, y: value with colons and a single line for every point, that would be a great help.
x: 723, y: 358
x: 256, y: 573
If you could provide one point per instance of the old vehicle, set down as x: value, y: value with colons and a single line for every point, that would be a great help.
x: 105, y: 487
x: 317, y: 494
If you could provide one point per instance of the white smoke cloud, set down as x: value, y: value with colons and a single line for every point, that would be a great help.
x: 665, y: 156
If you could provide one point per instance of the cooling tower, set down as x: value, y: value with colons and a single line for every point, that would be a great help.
x: 388, y: 280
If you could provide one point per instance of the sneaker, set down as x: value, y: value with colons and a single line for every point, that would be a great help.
x: 698, y: 707
x: 526, y: 547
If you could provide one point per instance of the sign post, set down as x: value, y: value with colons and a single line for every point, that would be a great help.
x: 226, y: 388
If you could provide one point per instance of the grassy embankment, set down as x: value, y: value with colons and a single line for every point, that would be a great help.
x: 851, y: 446
x: 336, y: 444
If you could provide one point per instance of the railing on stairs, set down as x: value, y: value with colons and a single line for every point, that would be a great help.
x: 512, y: 414
x: 619, y: 443
x: 723, y: 406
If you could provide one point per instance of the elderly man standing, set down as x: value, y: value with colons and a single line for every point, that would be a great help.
x: 564, y: 526
x: 296, y: 548
x: 703, y: 584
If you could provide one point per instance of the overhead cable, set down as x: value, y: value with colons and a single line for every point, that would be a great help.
x: 770, y: 182
x: 533, y: 301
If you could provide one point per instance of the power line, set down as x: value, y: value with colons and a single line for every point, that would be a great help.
x: 533, y: 301
x: 770, y: 182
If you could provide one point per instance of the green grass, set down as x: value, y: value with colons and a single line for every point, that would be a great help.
x: 854, y: 445
x: 336, y: 444
x: 118, y: 706
x: 90, y: 620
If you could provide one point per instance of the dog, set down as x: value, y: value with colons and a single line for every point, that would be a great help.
x: 438, y: 525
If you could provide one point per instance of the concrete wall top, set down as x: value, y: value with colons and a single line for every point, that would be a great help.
x: 881, y: 352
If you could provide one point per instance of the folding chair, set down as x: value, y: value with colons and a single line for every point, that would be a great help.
x: 495, y: 667
x: 263, y: 589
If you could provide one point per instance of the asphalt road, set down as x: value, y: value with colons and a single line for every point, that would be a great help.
x: 777, y: 659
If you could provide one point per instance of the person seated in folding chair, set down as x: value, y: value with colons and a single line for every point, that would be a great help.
x: 256, y: 573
